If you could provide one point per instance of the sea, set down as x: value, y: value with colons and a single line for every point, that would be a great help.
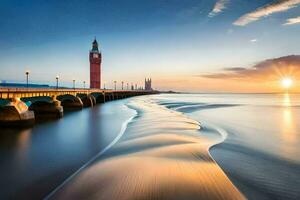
x: 254, y: 140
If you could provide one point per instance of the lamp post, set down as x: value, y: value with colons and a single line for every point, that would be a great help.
x: 127, y: 86
x: 122, y: 84
x: 74, y: 84
x: 27, y: 78
x: 104, y: 86
x: 83, y: 84
x: 57, y: 77
x: 115, y: 85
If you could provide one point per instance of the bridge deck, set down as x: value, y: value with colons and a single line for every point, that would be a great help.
x: 7, y: 93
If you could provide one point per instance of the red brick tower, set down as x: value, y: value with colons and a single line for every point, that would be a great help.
x: 95, y: 66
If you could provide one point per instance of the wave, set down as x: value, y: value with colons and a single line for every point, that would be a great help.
x: 188, y: 107
x: 163, y: 154
x: 257, y: 174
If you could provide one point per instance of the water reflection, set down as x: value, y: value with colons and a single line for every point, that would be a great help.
x: 289, y: 136
x: 286, y: 100
x: 22, y: 146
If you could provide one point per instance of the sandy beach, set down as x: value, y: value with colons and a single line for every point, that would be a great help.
x: 161, y: 155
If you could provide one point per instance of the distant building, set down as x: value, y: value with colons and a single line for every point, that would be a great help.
x: 148, y: 84
x: 95, y: 66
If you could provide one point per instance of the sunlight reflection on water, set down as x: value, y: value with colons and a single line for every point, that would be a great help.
x: 289, y: 135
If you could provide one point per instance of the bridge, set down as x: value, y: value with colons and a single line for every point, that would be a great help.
x: 23, y: 106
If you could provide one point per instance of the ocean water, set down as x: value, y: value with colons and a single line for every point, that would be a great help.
x: 34, y: 161
x: 161, y: 155
x: 178, y: 146
x: 261, y: 150
x: 167, y: 146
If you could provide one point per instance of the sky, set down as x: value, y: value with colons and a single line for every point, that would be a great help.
x: 189, y: 46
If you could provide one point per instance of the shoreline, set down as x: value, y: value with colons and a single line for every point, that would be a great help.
x: 89, y: 162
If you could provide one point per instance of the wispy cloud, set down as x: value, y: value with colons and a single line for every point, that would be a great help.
x: 219, y: 7
x: 291, y: 21
x: 253, y: 40
x: 269, y: 69
x: 276, y: 6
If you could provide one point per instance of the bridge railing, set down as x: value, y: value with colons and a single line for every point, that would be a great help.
x: 7, y: 93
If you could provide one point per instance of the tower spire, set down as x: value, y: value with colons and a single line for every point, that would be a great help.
x: 95, y: 46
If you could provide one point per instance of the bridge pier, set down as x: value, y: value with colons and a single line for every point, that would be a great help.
x: 93, y: 99
x: 88, y: 100
x: 16, y: 114
x: 47, y: 110
x: 16, y: 111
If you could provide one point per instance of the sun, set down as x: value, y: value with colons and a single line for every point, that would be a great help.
x: 286, y: 83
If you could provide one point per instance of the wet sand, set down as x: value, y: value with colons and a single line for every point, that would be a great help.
x: 161, y: 155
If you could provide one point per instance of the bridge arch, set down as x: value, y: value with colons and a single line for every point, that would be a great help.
x: 109, y: 96
x: 70, y: 102
x: 99, y: 96
x: 44, y: 107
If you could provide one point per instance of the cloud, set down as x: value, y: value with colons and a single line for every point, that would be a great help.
x: 291, y: 21
x: 270, y: 70
x: 276, y: 6
x: 234, y: 69
x: 219, y: 7
x: 253, y: 40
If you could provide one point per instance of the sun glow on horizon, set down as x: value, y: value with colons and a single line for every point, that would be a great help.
x: 287, y: 83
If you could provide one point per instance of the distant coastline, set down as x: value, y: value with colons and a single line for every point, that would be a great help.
x: 23, y: 85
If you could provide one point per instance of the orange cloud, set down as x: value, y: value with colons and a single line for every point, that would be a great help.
x: 265, y: 76
x: 267, y: 70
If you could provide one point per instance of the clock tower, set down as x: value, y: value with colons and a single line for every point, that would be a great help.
x: 95, y: 66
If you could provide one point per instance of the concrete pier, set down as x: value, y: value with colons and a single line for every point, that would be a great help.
x: 16, y: 113
x: 87, y: 100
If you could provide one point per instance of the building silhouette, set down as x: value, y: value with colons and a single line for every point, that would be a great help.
x: 95, y: 66
x: 148, y: 84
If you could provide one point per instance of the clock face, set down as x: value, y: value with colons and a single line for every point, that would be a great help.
x: 95, y: 55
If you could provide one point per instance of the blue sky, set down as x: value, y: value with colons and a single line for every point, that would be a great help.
x: 171, y: 41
